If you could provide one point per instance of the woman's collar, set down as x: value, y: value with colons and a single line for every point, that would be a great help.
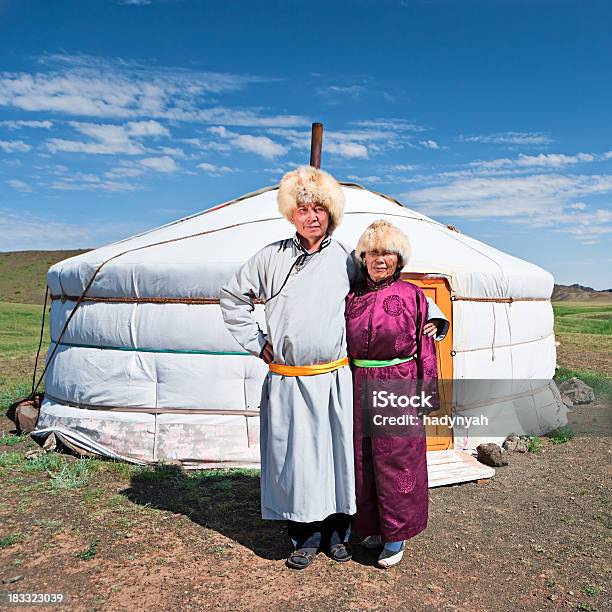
x: 372, y: 285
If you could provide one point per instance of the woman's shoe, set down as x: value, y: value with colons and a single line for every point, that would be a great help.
x: 389, y: 558
x: 372, y: 542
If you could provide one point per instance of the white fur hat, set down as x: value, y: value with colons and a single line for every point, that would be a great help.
x: 308, y: 184
x: 384, y: 236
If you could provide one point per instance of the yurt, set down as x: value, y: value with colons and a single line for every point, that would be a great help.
x: 141, y: 367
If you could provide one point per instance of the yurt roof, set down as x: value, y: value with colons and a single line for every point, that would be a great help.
x: 210, y: 245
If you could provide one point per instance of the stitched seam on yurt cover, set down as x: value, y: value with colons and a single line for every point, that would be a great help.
x: 151, y: 410
x: 488, y: 348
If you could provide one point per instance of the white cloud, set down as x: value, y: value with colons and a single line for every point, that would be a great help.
x: 551, y: 160
x: 135, y: 2
x: 172, y: 151
x: 342, y: 144
x: 95, y: 87
x: 526, y: 197
x: 510, y: 138
x: 365, y: 179
x: 393, y: 125
x: 19, y: 185
x: 125, y: 170
x: 215, y: 170
x: 261, y: 145
x: 147, y: 128
x: 17, y: 125
x: 429, y: 144
x: 352, y: 91
x: 578, y: 206
x: 108, y: 139
x: 402, y: 168
x: 160, y: 164
x: 98, y: 185
x: 348, y: 149
x: 14, y: 146
x: 352, y: 143
x: 19, y: 228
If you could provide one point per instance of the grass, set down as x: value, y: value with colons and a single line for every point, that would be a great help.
x: 535, y: 444
x: 11, y: 390
x: 12, y: 440
x: 20, y: 324
x: 583, y: 318
x: 9, y: 540
x: 90, y: 552
x: 73, y: 475
x: 591, y: 590
x: 561, y: 435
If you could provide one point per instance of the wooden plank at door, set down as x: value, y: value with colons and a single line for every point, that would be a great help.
x: 439, y: 437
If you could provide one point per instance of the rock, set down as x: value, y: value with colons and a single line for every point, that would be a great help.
x: 26, y: 415
x: 576, y: 390
x: 567, y: 400
x: 516, y: 444
x: 491, y: 454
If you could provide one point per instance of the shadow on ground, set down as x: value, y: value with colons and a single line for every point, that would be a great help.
x: 225, y: 502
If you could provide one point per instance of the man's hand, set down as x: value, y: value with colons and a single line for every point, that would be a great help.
x: 266, y: 353
x: 430, y: 328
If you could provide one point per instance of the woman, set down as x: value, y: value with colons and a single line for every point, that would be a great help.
x: 385, y: 318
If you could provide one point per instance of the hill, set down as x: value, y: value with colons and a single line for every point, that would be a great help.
x: 23, y: 274
x: 579, y: 293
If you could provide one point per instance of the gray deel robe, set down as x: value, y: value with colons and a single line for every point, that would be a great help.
x: 306, y: 422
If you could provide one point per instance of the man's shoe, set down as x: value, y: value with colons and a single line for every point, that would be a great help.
x: 389, y: 558
x: 372, y: 542
x: 340, y: 553
x: 301, y: 558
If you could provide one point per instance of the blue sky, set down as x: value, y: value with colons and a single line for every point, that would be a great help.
x: 121, y: 115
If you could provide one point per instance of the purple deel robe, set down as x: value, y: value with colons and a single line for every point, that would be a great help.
x: 390, y: 465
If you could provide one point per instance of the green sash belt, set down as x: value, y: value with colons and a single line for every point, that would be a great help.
x: 380, y: 363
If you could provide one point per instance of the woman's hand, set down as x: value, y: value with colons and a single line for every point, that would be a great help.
x: 266, y: 353
x: 430, y: 329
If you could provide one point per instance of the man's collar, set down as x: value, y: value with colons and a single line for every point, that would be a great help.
x: 298, y: 243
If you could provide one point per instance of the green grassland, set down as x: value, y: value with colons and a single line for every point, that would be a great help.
x: 583, y: 318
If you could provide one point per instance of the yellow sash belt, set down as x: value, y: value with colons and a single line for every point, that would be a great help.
x: 310, y: 370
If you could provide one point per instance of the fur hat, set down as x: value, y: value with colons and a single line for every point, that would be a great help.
x: 384, y: 236
x: 307, y: 184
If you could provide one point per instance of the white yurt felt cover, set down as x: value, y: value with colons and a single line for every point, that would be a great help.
x: 148, y: 381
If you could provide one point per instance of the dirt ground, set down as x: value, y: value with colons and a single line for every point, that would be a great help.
x: 535, y: 537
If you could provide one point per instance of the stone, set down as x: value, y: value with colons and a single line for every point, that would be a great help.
x: 576, y: 390
x: 516, y: 444
x: 26, y: 415
x: 491, y: 454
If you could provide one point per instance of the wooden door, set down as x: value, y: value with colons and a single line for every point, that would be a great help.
x: 439, y: 437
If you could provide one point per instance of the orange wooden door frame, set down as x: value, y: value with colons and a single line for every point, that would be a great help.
x: 437, y: 288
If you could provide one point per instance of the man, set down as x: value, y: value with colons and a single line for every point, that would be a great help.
x: 307, y: 470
